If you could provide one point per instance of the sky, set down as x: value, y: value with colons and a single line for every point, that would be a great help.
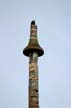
x: 53, y: 18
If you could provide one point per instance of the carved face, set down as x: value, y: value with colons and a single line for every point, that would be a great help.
x: 33, y: 67
x: 33, y: 75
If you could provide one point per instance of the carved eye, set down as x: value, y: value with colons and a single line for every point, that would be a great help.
x: 36, y: 90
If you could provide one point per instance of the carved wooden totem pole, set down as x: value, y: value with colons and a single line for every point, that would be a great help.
x: 33, y: 51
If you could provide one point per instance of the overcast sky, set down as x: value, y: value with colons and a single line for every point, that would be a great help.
x: 53, y: 18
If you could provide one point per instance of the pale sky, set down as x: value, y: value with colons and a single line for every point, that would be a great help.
x: 53, y: 18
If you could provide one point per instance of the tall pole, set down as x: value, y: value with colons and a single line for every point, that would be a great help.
x: 33, y: 51
x: 33, y: 81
